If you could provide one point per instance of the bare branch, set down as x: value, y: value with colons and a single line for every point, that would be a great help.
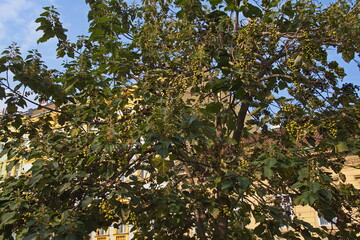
x: 275, y: 75
x: 31, y: 101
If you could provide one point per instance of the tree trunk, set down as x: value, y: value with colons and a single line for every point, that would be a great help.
x: 240, y: 121
x: 222, y: 224
x: 221, y: 228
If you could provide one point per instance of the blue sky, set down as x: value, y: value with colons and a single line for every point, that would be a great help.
x: 17, y: 24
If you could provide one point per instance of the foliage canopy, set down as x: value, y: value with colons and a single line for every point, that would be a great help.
x: 185, y: 90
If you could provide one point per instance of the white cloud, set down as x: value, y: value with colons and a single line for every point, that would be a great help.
x: 30, y: 35
x: 11, y: 9
x: 17, y: 22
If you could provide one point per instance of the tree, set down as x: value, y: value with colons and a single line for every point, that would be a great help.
x: 186, y: 90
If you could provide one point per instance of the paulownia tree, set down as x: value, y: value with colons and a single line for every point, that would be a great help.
x: 187, y: 91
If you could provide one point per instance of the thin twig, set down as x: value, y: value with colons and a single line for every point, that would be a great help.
x: 31, y: 101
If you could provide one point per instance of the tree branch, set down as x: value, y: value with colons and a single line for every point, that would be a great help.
x: 198, y: 212
x: 274, y: 75
x: 31, y: 101
x: 240, y: 121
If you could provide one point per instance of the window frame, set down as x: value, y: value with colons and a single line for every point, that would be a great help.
x: 325, y: 223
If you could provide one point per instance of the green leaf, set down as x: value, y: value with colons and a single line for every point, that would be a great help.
x: 273, y: 3
x: 31, y: 237
x: 11, y: 108
x: 270, y: 162
x: 309, y: 197
x: 50, y: 25
x: 348, y: 55
x: 304, y: 173
x: 326, y: 193
x: 90, y: 160
x: 298, y: 60
x: 70, y: 237
x: 244, y: 182
x: 226, y: 185
x: 268, y: 172
x: 341, y: 147
x: 6, y: 217
x: 74, y: 132
x: 282, y: 85
x: 85, y: 203
x: 190, y: 119
x: 260, y: 229
x: 109, y: 147
x: 213, y: 107
x: 333, y: 64
x: 162, y: 148
x: 306, y: 234
x: 314, y: 186
x: 103, y: 20
x: 261, y: 191
x: 215, y: 212
x: 251, y: 11
x: 3, y: 67
x: 288, y: 10
x: 297, y: 185
x: 96, y: 34
x: 215, y: 2
x: 162, y: 165
x: 64, y: 187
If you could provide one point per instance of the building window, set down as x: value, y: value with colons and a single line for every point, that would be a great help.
x: 102, y: 232
x: 284, y: 201
x: 1, y: 171
x: 123, y: 179
x: 9, y: 171
x: 17, y: 170
x: 324, y: 222
x: 121, y: 229
x: 144, y: 174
